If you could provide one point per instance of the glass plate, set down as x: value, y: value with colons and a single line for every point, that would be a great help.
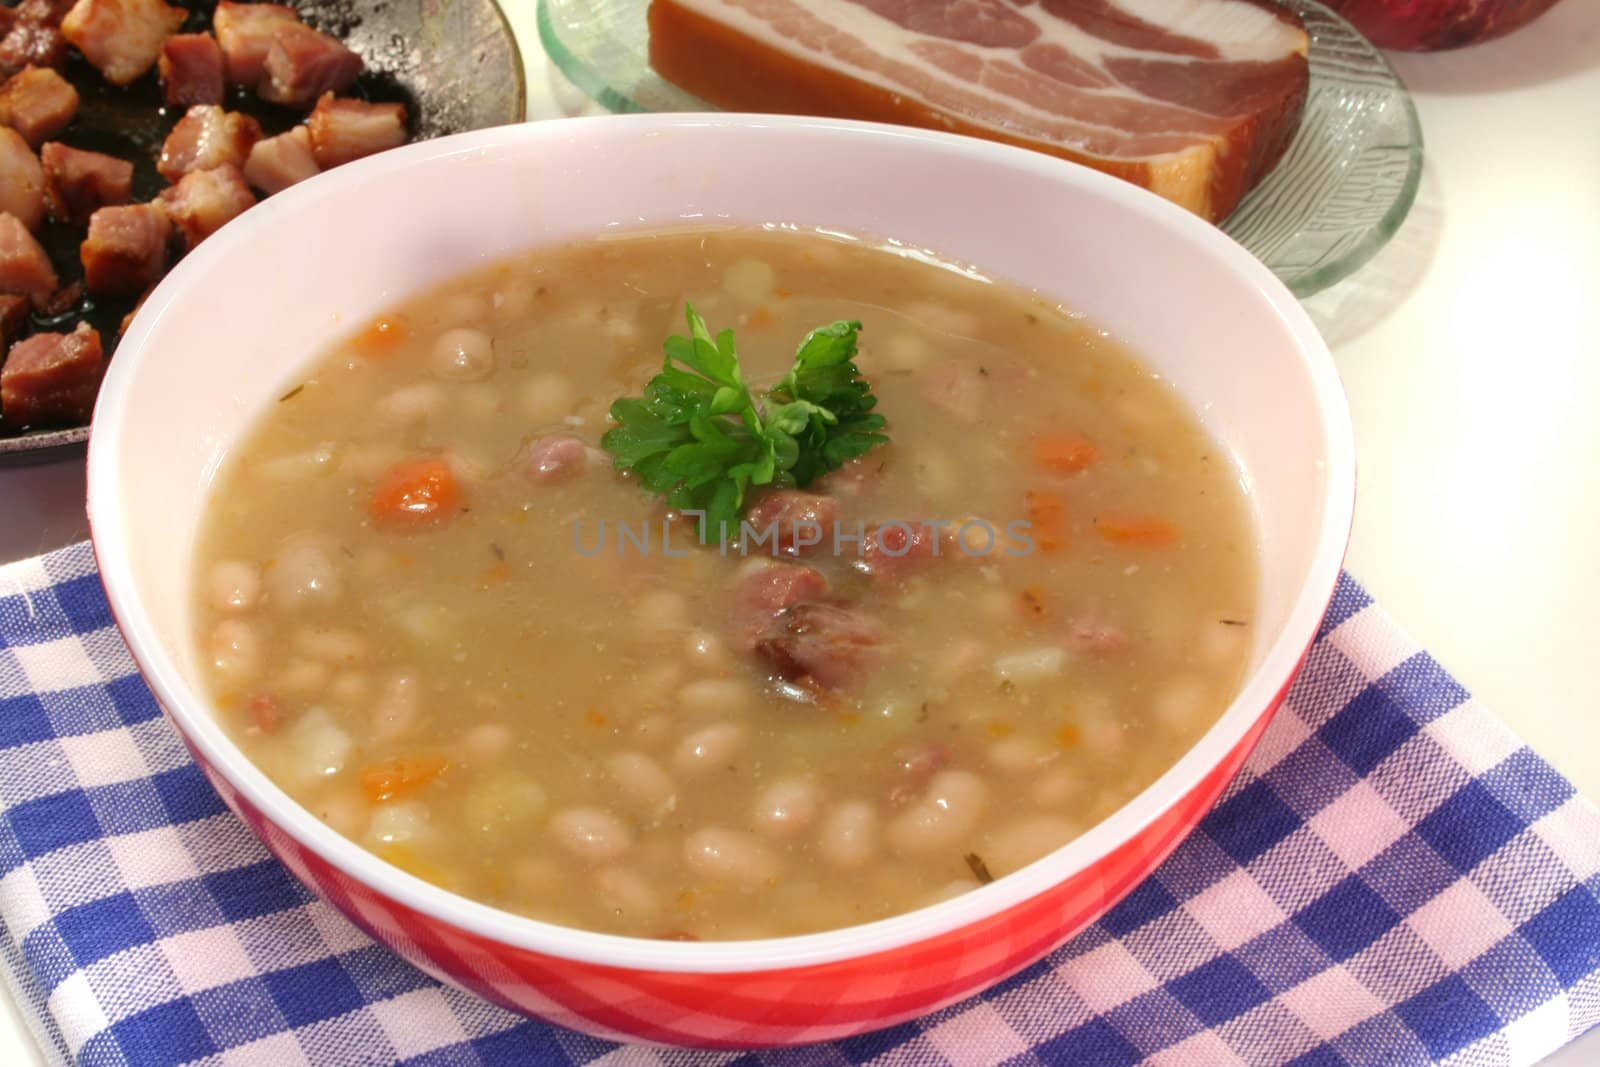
x: 1340, y: 192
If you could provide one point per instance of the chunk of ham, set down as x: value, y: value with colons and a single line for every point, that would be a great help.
x: 1096, y: 637
x: 304, y: 63
x: 126, y: 249
x: 38, y: 103
x: 276, y: 163
x: 207, y: 137
x: 25, y: 269
x: 792, y: 523
x: 764, y: 589
x: 191, y: 70
x: 1195, y: 101
x: 244, y: 33
x: 555, y: 458
x: 14, y: 312
x: 30, y: 35
x: 343, y: 130
x: 21, y: 180
x: 78, y: 183
x: 205, y: 200
x: 121, y: 38
x: 822, y: 646
x: 50, y: 379
x: 899, y: 549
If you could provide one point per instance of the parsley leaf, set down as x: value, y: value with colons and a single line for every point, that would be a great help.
x: 699, y: 437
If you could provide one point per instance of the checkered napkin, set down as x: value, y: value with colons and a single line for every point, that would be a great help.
x: 1393, y: 879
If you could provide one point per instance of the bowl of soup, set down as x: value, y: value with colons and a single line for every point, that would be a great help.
x: 1033, y: 490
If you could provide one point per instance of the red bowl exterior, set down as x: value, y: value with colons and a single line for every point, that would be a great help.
x: 749, y: 1009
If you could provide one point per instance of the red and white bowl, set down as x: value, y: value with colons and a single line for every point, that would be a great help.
x: 226, y: 332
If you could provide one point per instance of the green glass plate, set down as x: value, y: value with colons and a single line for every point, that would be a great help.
x: 1340, y: 192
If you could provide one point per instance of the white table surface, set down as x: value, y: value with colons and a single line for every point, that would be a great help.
x: 1470, y: 348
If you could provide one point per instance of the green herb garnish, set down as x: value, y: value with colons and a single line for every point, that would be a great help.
x: 700, y: 438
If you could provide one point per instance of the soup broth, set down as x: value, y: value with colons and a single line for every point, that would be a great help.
x: 435, y: 614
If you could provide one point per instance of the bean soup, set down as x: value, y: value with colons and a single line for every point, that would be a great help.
x: 440, y: 609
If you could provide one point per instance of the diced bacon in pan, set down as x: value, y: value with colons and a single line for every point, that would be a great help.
x: 191, y: 70
x: 38, y: 103
x: 343, y: 130
x: 14, y: 312
x: 205, y: 200
x: 304, y: 63
x: 121, y: 38
x: 21, y: 179
x: 126, y: 249
x: 207, y: 137
x: 25, y: 269
x: 244, y: 33
x: 78, y: 183
x: 50, y: 379
x: 279, y: 162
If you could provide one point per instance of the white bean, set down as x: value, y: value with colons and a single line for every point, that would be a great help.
x: 413, y: 401
x: 547, y: 397
x: 1020, y: 752
x: 788, y: 806
x: 462, y: 355
x: 643, y: 783
x: 1184, y: 701
x: 591, y: 833
x: 303, y: 573
x: 706, y: 649
x: 299, y: 465
x: 1056, y: 789
x: 751, y: 280
x: 943, y: 816
x: 488, y: 741
x: 398, y: 822
x: 708, y: 748
x: 398, y: 708
x: 661, y: 609
x: 235, y: 650
x: 1019, y: 844
x: 347, y: 811
x: 1222, y: 643
x: 1031, y: 665
x: 724, y: 855
x: 350, y: 688
x: 849, y: 835
x: 301, y: 676
x: 234, y: 585
x: 627, y: 892
x: 319, y: 746
x: 905, y: 352
x: 716, y: 696
x: 503, y: 798
x: 329, y: 645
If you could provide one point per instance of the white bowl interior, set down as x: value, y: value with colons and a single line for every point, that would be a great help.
x: 229, y: 329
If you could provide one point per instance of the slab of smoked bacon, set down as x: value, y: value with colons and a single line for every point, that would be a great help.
x: 1193, y: 99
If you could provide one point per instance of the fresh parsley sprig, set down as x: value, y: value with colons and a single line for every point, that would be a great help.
x: 700, y: 438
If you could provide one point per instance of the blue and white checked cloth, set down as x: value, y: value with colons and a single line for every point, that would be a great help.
x: 1394, y: 879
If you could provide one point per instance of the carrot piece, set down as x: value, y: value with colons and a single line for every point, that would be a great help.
x: 265, y: 712
x: 1141, y: 531
x: 1068, y: 735
x: 415, y: 493
x: 381, y: 336
x: 1047, y: 516
x: 400, y: 777
x: 1065, y: 453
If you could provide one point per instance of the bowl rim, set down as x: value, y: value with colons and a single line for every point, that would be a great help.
x: 204, y: 733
